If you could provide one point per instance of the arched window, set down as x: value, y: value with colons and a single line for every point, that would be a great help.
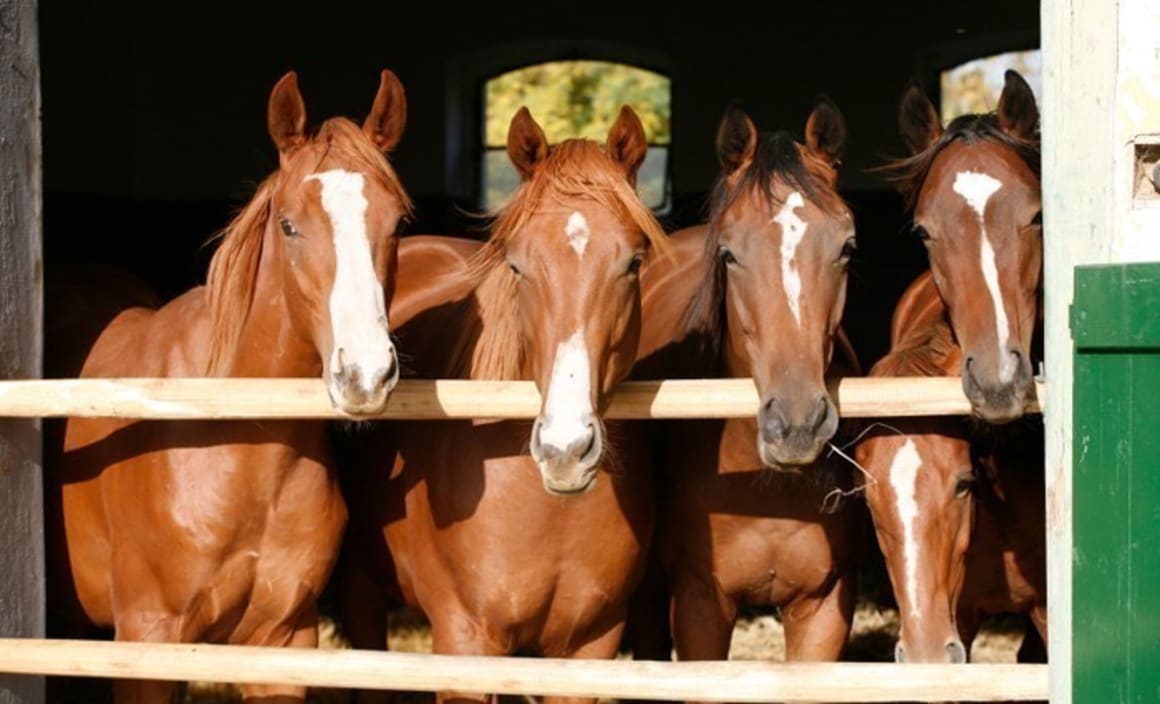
x: 974, y: 86
x: 576, y: 99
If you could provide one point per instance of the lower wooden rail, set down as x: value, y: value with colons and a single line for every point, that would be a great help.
x: 734, y: 681
x: 877, y: 397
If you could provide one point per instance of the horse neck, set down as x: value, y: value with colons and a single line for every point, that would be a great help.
x: 273, y: 342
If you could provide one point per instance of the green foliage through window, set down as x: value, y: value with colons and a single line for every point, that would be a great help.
x: 576, y: 99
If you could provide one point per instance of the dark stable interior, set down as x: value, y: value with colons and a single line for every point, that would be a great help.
x: 154, y: 112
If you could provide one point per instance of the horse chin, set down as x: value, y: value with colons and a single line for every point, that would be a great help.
x: 575, y: 487
x: 358, y: 403
x: 781, y: 458
x: 1000, y: 406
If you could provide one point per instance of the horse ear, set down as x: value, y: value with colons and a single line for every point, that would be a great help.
x: 918, y: 121
x: 826, y: 130
x: 1018, y: 114
x: 286, y: 115
x: 736, y: 140
x: 627, y: 143
x: 388, y: 117
x: 527, y: 146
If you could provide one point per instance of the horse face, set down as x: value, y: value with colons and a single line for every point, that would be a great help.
x: 978, y: 214
x: 785, y: 260
x: 334, y: 216
x: 920, y: 496
x: 576, y: 262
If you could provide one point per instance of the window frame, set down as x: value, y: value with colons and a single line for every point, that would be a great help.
x: 467, y: 77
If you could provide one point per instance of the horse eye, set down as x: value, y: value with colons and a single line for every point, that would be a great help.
x: 727, y: 256
x: 848, y: 248
x: 964, y: 485
x: 634, y: 264
x: 922, y: 233
x: 287, y: 227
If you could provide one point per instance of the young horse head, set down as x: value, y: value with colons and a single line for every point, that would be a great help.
x: 561, y: 270
x: 324, y: 224
x: 919, y: 491
x: 975, y: 192
x: 780, y: 239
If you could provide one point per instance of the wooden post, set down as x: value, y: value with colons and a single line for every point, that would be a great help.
x: 21, y: 514
x: 1101, y: 103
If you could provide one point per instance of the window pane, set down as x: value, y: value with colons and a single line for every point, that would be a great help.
x: 975, y: 86
x: 577, y: 99
x: 500, y: 179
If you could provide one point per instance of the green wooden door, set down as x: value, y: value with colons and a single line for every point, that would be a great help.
x: 1115, y: 323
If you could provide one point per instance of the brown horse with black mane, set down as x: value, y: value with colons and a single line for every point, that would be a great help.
x: 514, y: 536
x: 974, y: 188
x: 758, y: 292
x: 228, y: 531
x: 959, y: 513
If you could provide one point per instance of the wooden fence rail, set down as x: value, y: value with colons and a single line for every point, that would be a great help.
x: 446, y: 399
x: 733, y: 681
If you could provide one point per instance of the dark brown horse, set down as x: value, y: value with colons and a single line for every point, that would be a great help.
x: 512, y: 535
x: 959, y: 514
x: 758, y: 292
x: 228, y: 531
x: 974, y: 188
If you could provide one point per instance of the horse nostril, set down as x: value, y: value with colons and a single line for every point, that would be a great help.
x: 821, y: 411
x: 956, y: 652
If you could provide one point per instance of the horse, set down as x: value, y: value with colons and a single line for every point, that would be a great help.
x: 974, y: 190
x: 228, y: 531
x: 757, y: 292
x: 959, y: 514
x: 515, y: 536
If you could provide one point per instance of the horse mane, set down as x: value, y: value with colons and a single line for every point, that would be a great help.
x: 233, y: 271
x: 779, y: 157
x: 574, y: 169
x: 908, y: 173
x: 921, y: 352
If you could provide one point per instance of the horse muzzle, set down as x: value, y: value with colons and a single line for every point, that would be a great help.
x: 793, y: 434
x: 993, y: 398
x: 567, y: 454
x: 359, y: 389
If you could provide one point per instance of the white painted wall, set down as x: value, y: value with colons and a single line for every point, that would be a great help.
x: 1101, y: 94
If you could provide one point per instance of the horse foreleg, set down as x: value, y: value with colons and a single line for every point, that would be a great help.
x: 298, y: 633
x: 455, y: 633
x: 817, y: 627
x: 1034, y: 645
x: 648, y: 616
x: 602, y: 647
x: 702, y: 619
x: 362, y: 610
x: 146, y: 627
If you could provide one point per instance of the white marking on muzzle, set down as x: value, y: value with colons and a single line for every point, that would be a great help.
x: 577, y: 233
x: 568, y: 406
x: 358, y: 312
x: 904, y: 482
x: 793, y: 229
x: 977, y: 188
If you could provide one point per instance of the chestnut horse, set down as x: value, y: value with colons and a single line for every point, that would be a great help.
x: 517, y: 536
x: 959, y: 514
x: 758, y: 292
x: 974, y: 188
x: 228, y: 531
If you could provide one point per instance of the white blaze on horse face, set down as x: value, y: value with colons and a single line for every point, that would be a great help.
x: 904, y: 482
x: 358, y: 313
x: 977, y: 188
x: 577, y: 233
x: 793, y: 229
x: 568, y: 403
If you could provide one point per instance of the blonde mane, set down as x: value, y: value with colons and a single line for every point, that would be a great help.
x: 574, y: 169
x: 233, y: 271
